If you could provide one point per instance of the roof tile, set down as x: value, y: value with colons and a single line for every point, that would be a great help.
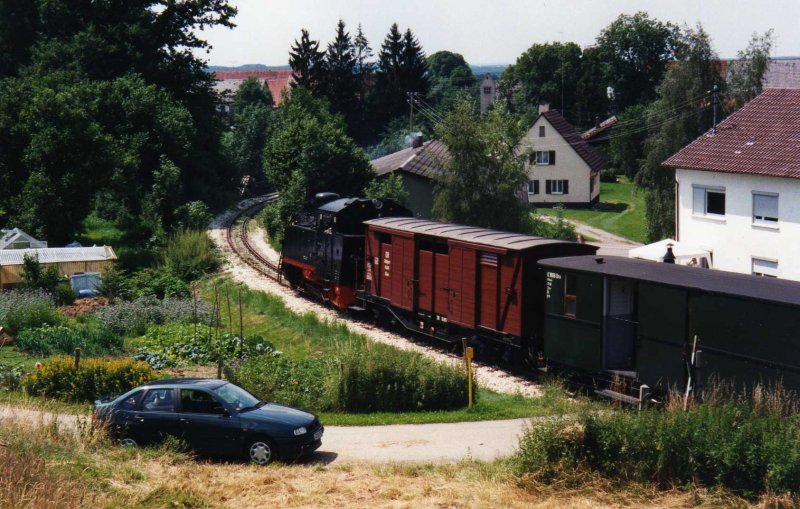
x: 761, y: 138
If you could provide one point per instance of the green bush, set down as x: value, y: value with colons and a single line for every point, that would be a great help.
x: 159, y: 283
x: 742, y: 446
x: 65, y: 295
x: 51, y: 339
x: 21, y: 310
x: 190, y: 254
x: 361, y: 377
x: 10, y: 377
x: 94, y: 378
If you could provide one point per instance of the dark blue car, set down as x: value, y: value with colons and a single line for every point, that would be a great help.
x: 214, y: 417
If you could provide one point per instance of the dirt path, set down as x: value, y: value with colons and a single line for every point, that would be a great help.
x: 486, y: 375
x: 447, y: 442
x: 609, y: 244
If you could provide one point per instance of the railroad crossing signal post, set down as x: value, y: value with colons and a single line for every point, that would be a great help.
x: 468, y: 354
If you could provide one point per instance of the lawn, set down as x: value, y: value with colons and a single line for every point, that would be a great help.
x: 620, y: 211
x: 132, y: 253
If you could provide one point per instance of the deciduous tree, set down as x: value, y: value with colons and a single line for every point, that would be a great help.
x: 484, y: 173
x: 680, y: 114
x: 304, y: 135
x: 747, y: 72
x: 637, y: 50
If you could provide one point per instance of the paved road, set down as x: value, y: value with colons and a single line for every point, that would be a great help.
x: 484, y: 440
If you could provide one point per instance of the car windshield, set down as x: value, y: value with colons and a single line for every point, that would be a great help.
x: 237, y: 397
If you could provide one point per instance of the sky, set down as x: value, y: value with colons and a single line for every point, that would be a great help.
x: 488, y: 31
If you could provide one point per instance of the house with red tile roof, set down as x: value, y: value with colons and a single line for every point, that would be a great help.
x: 562, y: 167
x: 737, y: 188
x: 228, y: 82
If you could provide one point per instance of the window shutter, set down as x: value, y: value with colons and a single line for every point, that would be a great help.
x: 535, y: 187
x: 548, y: 186
x: 552, y: 157
x: 566, y: 187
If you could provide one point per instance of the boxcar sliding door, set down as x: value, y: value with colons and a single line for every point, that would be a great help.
x: 489, y: 287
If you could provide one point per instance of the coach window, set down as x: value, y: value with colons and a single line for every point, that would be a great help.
x: 570, y: 295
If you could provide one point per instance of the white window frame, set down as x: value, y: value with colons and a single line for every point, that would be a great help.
x: 765, y: 267
x: 705, y: 190
x: 542, y: 157
x: 763, y: 220
x: 557, y: 184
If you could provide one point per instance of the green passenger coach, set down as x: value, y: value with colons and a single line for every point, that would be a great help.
x: 663, y: 325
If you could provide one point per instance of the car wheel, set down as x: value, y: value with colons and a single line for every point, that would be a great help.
x: 261, y: 451
x: 127, y: 442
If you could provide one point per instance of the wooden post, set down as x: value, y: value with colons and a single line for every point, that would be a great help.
x: 468, y: 354
x: 77, y: 357
x: 241, y: 316
x: 230, y: 316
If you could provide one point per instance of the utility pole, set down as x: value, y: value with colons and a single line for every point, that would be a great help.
x: 410, y: 96
x: 714, y: 102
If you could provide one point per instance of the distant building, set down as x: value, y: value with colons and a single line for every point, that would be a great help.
x: 599, y: 135
x: 562, y: 167
x: 783, y: 73
x: 228, y: 82
x: 488, y: 92
x: 18, y: 239
x: 68, y: 260
x: 418, y: 166
x: 738, y: 189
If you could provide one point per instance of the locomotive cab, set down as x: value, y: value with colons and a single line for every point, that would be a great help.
x: 323, y: 248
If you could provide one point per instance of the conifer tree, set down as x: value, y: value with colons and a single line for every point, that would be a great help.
x: 413, y: 65
x: 364, y: 67
x: 341, y: 80
x: 401, y: 69
x: 308, y: 64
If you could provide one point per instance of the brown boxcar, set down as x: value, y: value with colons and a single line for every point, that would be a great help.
x: 452, y: 281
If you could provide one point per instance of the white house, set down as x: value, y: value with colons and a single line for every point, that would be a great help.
x: 562, y: 167
x: 488, y: 92
x: 738, y: 189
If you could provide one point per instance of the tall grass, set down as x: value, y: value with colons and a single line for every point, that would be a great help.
x: 747, y: 443
x: 360, y: 377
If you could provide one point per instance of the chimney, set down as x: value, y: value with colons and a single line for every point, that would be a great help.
x: 669, y: 256
x: 544, y: 107
x: 416, y: 140
x: 597, y: 122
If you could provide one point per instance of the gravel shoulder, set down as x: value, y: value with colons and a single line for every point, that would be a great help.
x: 486, y: 375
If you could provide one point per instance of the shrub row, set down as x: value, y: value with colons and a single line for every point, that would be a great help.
x: 50, y: 339
x: 362, y: 377
x: 735, y: 444
x: 171, y: 345
x: 21, y: 310
x: 94, y: 378
x: 134, y: 317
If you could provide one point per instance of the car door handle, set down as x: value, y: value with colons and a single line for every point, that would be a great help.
x: 184, y: 420
x: 139, y: 418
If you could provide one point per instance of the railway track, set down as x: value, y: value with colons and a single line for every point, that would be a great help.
x: 236, y: 235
